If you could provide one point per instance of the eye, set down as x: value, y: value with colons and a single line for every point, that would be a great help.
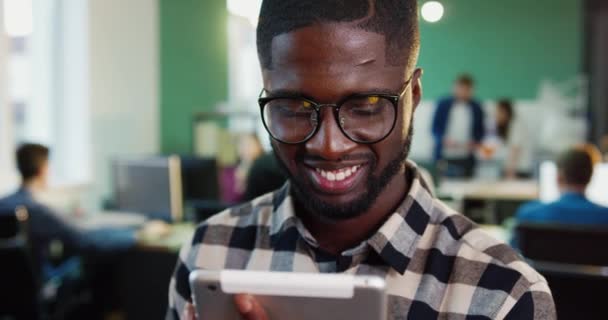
x: 290, y: 108
x: 367, y: 106
x: 373, y: 100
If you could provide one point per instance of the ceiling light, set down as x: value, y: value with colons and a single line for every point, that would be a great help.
x: 432, y: 11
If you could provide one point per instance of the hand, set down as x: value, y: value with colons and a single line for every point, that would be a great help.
x: 248, y: 307
x: 449, y: 143
x: 474, y: 146
x: 189, y: 312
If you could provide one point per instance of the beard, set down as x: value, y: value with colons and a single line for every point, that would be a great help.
x: 375, y: 185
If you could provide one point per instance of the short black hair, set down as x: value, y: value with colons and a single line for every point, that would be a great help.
x: 466, y: 79
x: 397, y: 20
x: 30, y: 159
x: 575, y: 167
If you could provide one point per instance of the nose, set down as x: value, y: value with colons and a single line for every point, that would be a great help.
x: 329, y: 142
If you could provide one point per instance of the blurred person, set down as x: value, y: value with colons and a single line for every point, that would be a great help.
x: 249, y: 149
x: 458, y: 129
x: 516, y: 141
x: 340, y: 90
x: 77, y: 261
x: 45, y: 225
x: 264, y: 176
x: 592, y: 150
x: 575, y: 169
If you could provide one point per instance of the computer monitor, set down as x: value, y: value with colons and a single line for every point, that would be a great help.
x: 596, y: 191
x: 151, y: 186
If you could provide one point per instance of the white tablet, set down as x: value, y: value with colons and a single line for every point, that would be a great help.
x: 295, y: 296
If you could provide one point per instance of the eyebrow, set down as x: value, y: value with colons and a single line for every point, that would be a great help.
x: 287, y: 93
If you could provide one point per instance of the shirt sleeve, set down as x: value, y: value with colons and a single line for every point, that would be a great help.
x: 47, y: 224
x: 535, y: 304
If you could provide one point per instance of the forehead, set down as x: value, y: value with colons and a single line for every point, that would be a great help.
x: 335, y: 55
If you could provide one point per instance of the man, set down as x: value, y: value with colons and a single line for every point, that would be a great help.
x: 458, y: 128
x: 44, y: 224
x: 575, y: 169
x: 340, y: 90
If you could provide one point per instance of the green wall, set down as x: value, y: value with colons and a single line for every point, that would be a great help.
x: 193, y: 66
x: 508, y: 46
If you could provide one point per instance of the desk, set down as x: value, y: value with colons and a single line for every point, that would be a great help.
x: 497, y: 232
x: 171, y: 242
x: 518, y: 190
x: 143, y: 275
x: 110, y: 220
x: 465, y: 196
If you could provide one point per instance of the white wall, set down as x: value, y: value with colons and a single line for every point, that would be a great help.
x: 8, y: 178
x: 124, y: 75
x: 95, y: 88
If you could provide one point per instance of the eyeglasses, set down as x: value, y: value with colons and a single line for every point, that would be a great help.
x: 365, y: 118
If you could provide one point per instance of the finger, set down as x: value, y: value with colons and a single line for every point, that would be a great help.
x: 189, y: 312
x: 249, y: 307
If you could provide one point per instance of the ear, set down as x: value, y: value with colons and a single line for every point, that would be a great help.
x: 417, y: 87
x: 43, y: 170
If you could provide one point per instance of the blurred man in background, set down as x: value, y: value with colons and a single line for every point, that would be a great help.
x: 458, y: 128
x: 45, y: 225
x: 575, y: 169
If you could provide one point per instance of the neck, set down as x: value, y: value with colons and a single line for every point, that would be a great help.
x: 573, y: 189
x: 32, y: 185
x: 338, y: 236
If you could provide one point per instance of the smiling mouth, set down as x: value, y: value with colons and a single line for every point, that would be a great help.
x: 338, y: 180
x: 338, y: 175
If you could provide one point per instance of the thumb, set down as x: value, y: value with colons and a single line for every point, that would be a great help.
x: 189, y: 312
x: 250, y: 308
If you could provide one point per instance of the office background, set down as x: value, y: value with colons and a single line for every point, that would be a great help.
x: 131, y: 75
x: 101, y: 80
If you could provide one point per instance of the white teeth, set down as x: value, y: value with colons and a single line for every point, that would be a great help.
x: 348, y: 172
x: 331, y: 176
x: 338, y: 175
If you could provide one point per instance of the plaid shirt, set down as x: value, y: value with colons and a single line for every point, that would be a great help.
x: 436, y: 262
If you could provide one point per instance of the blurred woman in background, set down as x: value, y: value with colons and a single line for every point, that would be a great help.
x: 516, y: 141
x: 249, y: 149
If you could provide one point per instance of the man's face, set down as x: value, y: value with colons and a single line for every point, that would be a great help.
x: 463, y: 91
x: 328, y: 62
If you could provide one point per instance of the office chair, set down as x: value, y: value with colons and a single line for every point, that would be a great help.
x: 574, y: 261
x: 19, y: 297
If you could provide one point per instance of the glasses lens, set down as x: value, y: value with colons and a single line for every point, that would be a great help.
x: 290, y: 120
x: 367, y: 119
